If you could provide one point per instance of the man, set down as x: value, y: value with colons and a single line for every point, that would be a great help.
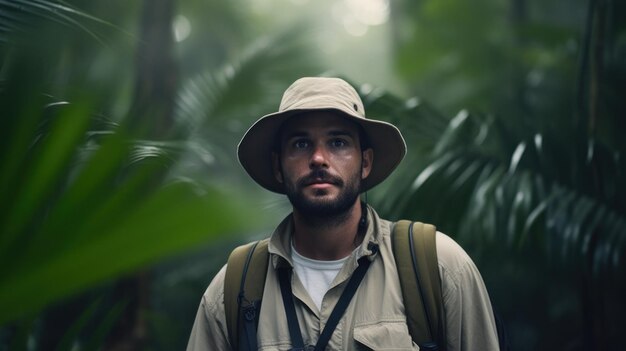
x: 322, y: 152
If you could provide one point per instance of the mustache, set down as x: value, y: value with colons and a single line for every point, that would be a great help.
x: 319, y: 176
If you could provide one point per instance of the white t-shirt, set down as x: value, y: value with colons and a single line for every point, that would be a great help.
x: 315, y: 275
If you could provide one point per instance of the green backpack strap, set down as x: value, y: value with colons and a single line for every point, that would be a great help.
x: 415, y: 254
x: 243, y: 290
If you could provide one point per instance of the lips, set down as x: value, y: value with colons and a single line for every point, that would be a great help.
x: 320, y: 182
x: 320, y: 179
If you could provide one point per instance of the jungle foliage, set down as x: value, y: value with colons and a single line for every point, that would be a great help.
x: 122, y: 195
x: 530, y: 174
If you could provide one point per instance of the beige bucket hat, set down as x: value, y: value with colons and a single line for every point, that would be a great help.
x: 314, y: 94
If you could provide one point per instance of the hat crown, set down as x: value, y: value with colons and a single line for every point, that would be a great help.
x: 322, y: 93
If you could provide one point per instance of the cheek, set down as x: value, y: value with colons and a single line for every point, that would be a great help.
x: 348, y: 165
x: 293, y: 165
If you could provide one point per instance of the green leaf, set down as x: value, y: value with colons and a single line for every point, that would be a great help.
x: 170, y: 221
x: 51, y: 155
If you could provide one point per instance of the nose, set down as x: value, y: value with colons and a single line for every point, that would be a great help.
x: 318, y: 158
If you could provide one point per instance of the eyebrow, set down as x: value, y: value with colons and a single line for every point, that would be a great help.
x: 296, y: 134
x: 341, y: 133
x: 338, y: 132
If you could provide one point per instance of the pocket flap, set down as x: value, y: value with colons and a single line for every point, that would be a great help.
x: 385, y: 336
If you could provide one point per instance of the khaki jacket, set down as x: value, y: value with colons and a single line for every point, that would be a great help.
x: 375, y: 318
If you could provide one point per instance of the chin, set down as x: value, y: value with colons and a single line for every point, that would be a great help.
x: 323, y: 202
x: 322, y: 197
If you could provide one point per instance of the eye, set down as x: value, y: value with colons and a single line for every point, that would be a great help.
x: 301, y: 144
x: 338, y: 143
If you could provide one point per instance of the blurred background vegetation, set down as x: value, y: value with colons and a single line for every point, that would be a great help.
x: 121, y: 193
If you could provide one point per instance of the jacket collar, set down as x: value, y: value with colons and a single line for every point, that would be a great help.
x: 280, y: 242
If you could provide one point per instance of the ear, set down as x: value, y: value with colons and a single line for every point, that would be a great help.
x: 367, y: 157
x: 278, y: 174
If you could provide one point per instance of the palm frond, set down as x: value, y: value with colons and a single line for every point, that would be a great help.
x: 248, y: 83
x: 83, y: 205
x: 215, y: 106
x: 21, y: 15
x: 486, y: 183
x: 422, y: 125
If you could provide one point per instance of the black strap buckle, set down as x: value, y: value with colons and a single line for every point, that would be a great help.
x: 306, y: 348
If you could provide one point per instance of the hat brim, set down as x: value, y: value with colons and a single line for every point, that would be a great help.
x: 256, y: 147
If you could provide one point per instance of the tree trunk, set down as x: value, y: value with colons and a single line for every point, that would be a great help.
x: 518, y: 18
x: 600, y: 335
x: 156, y: 81
x: 590, y: 76
x: 151, y: 116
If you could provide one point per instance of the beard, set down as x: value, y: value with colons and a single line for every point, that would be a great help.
x: 321, y: 210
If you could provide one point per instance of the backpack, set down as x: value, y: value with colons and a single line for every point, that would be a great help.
x: 413, y: 245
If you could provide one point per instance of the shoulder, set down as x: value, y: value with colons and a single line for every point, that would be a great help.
x: 456, y: 268
x: 450, y: 254
x: 209, y: 328
x: 213, y: 297
x: 469, y: 317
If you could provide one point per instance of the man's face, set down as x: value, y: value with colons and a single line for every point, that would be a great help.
x: 321, y: 163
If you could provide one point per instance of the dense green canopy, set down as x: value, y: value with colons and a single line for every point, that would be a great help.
x: 122, y: 196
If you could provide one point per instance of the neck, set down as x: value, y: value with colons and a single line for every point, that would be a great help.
x: 328, y: 238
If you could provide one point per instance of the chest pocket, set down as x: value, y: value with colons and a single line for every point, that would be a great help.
x: 384, y: 336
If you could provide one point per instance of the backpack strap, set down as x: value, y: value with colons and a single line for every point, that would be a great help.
x: 243, y: 290
x: 415, y: 253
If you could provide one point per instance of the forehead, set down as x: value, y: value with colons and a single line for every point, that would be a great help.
x: 318, y: 122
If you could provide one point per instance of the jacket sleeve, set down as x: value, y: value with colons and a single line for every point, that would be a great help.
x: 209, y: 329
x: 470, y: 324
